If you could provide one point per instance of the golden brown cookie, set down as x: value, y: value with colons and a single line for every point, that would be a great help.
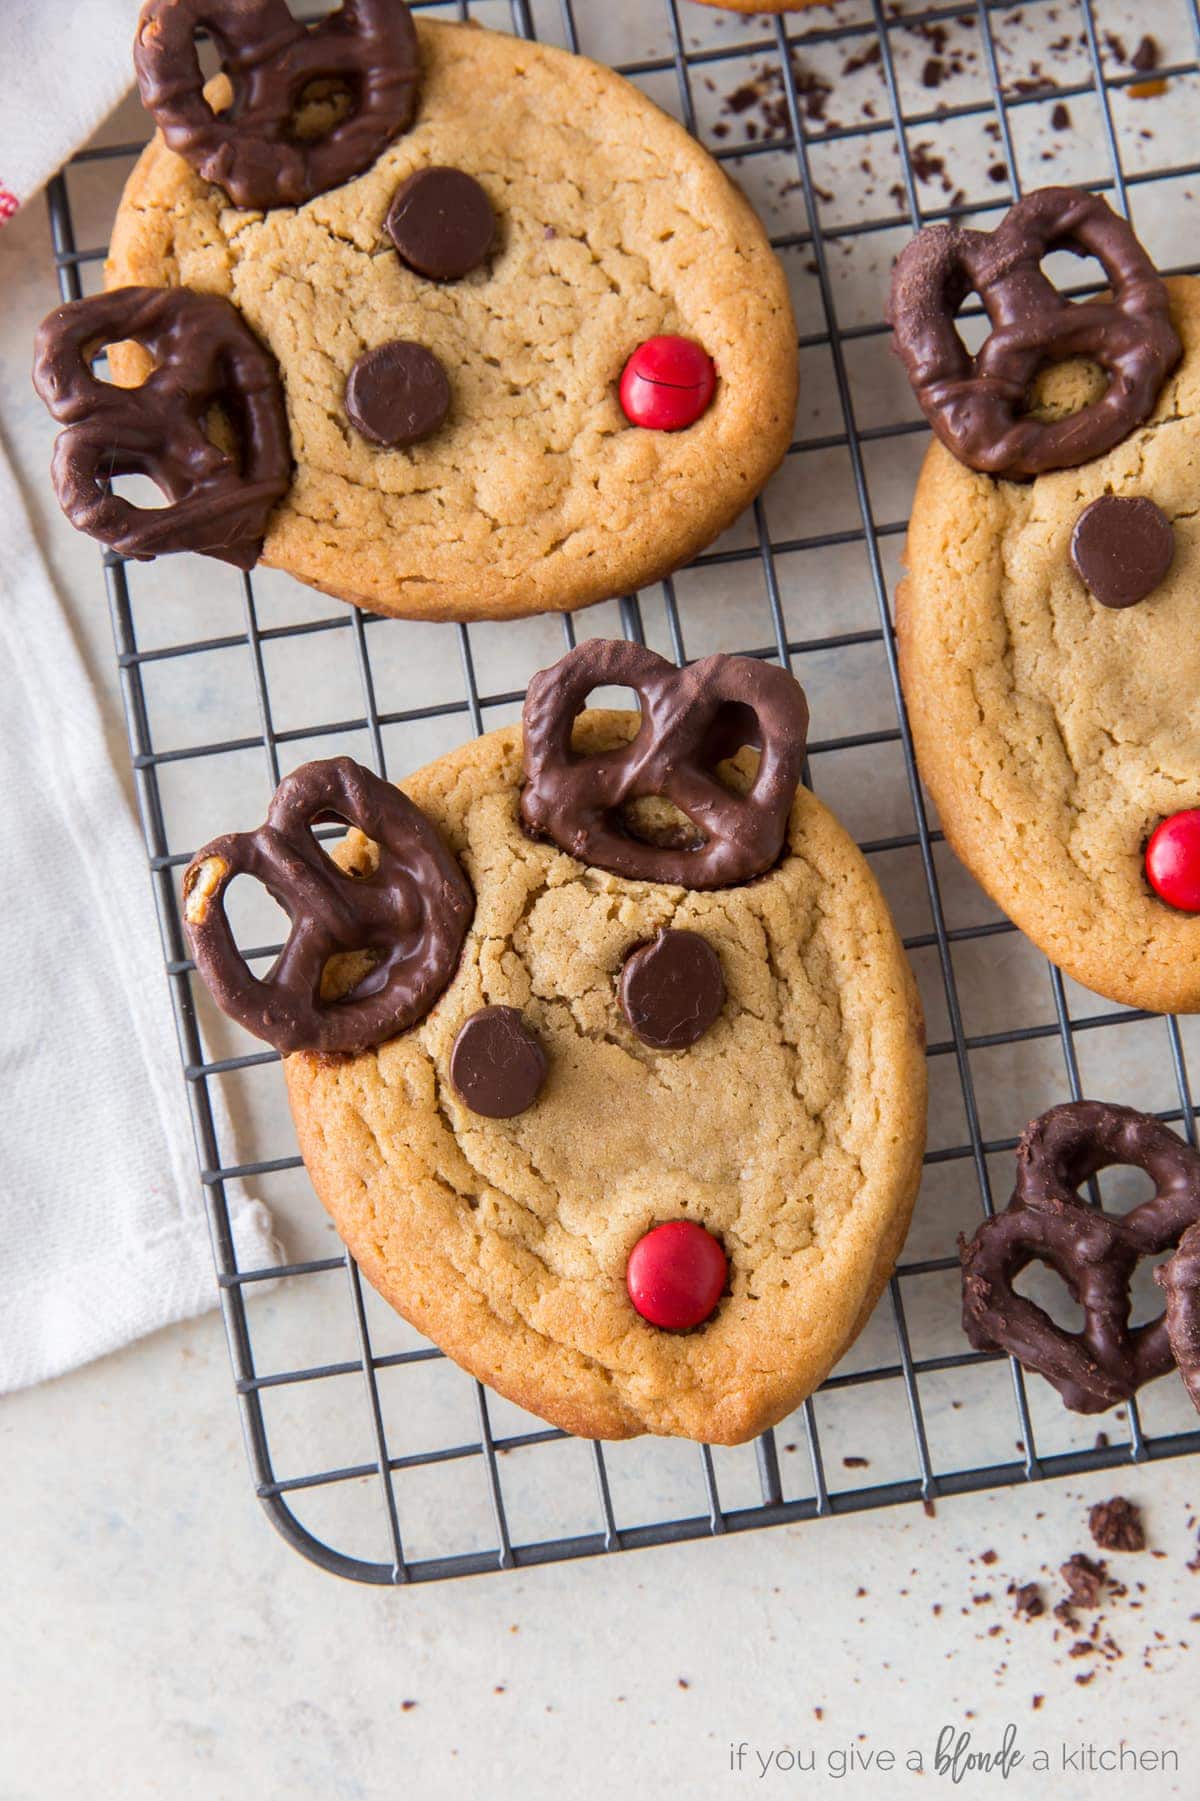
x: 614, y: 227
x: 793, y: 1127
x: 1054, y: 732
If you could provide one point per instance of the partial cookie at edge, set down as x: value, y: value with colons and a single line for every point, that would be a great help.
x: 1054, y: 733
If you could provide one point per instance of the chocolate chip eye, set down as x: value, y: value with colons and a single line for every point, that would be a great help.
x: 672, y: 990
x: 497, y: 1066
x: 441, y: 223
x: 397, y: 394
x: 1122, y: 547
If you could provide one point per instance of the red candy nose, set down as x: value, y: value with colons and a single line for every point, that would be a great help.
x: 1173, y: 861
x: 676, y: 1274
x: 667, y: 384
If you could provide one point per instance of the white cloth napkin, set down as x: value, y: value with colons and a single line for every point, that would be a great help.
x: 103, y: 1219
x: 104, y: 1230
x: 68, y: 63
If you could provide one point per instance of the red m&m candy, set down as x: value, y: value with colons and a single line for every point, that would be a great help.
x: 1173, y: 860
x: 667, y: 384
x: 676, y: 1275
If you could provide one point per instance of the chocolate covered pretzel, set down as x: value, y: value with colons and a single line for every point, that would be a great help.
x: 410, y: 911
x: 205, y: 357
x: 253, y: 149
x: 1094, y: 1252
x: 692, y: 719
x: 977, y: 404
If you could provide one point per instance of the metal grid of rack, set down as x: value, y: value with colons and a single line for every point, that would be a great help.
x: 666, y: 1504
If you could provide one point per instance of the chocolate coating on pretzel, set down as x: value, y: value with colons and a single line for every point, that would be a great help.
x: 692, y: 719
x: 977, y: 404
x: 205, y: 357
x: 410, y: 911
x: 252, y: 149
x: 1095, y: 1253
x: 1179, y: 1279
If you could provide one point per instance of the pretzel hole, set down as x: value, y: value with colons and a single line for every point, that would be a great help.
x: 1122, y: 1187
x: 221, y: 432
x: 1064, y: 388
x: 1041, y: 1283
x: 345, y: 972
x: 256, y: 920
x: 137, y: 490
x: 653, y: 820
x: 320, y: 107
x: 208, y: 61
x: 126, y: 364
x: 734, y: 728
x: 620, y: 700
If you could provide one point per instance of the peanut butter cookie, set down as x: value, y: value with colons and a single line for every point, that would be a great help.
x: 451, y: 325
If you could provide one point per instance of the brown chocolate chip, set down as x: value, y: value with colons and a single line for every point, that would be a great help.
x: 672, y: 990
x: 1122, y: 548
x: 497, y: 1065
x: 442, y: 223
x: 397, y: 394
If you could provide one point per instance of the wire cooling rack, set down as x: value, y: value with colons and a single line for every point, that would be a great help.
x: 850, y: 125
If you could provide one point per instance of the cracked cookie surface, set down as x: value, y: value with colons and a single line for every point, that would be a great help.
x: 613, y: 226
x: 1052, y: 732
x: 793, y: 1129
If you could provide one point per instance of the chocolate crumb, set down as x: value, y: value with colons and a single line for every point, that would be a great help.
x: 987, y: 1557
x: 998, y: 172
x: 743, y: 98
x: 407, y: 1706
x: 1028, y: 1600
x: 872, y: 54
x: 857, y: 1463
x: 1145, y: 57
x: 1037, y: 1702
x: 1085, y: 1580
x: 1060, y: 118
x: 684, y: 1683
x: 1116, y: 1525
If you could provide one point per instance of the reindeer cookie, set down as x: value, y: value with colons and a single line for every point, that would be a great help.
x: 634, y: 1129
x: 1049, y: 655
x: 533, y: 345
